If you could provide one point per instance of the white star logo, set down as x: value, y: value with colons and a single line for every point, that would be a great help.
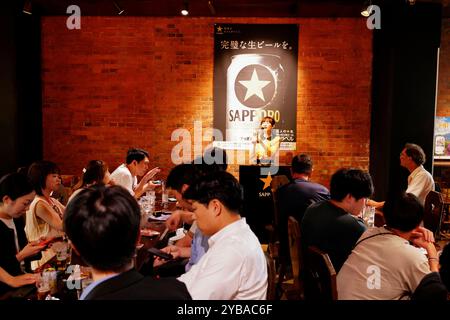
x: 254, y: 86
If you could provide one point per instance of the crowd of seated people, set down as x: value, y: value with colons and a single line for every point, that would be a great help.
x: 219, y: 257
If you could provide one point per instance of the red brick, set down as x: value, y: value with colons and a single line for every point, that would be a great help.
x: 136, y: 79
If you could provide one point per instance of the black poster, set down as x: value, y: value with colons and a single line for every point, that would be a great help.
x: 255, y: 75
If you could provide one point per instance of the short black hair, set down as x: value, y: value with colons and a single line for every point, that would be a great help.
x: 222, y: 186
x: 188, y: 173
x: 302, y: 163
x: 103, y: 224
x: 14, y: 185
x: 181, y: 174
x: 444, y: 271
x: 403, y: 212
x: 416, y: 153
x: 215, y: 156
x: 38, y: 172
x: 355, y: 182
x: 136, y: 154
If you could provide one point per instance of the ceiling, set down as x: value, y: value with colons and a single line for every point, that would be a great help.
x: 213, y: 8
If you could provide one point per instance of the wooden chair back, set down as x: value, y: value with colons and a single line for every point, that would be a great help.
x: 320, y: 276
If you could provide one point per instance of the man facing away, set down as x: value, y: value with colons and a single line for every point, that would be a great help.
x: 103, y: 226
x: 136, y: 164
x: 383, y: 264
x: 234, y: 267
x: 295, y: 197
x: 333, y: 226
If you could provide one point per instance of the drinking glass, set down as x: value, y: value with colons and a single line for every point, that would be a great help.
x: 43, y: 285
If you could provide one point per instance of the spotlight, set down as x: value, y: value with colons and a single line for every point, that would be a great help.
x: 211, y: 7
x: 27, y: 8
x: 185, y: 9
x: 119, y: 9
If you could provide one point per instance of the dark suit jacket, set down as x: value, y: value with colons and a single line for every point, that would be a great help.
x: 131, y: 285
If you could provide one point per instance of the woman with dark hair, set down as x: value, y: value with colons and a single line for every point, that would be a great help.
x: 267, y: 143
x: 16, y: 194
x: 44, y: 217
x: 95, y: 173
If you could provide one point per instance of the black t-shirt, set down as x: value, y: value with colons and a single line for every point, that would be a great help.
x: 332, y: 230
x: 430, y: 288
x: 8, y: 251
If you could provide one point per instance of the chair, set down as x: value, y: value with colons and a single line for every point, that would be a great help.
x: 434, y: 212
x: 320, y: 276
x: 295, y: 291
x: 271, y: 278
x: 277, y: 182
x: 273, y: 229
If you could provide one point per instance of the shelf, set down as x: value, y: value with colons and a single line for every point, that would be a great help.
x: 441, y: 163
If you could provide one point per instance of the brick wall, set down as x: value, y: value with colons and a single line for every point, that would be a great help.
x: 131, y: 81
x: 443, y: 97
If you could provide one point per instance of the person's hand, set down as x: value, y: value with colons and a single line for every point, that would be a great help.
x: 150, y: 186
x: 30, y: 249
x: 22, y: 280
x: 173, y: 250
x: 421, y: 232
x: 149, y: 175
x: 33, y: 248
x: 375, y: 204
x: 174, y: 220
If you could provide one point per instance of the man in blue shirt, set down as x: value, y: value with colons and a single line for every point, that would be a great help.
x: 295, y: 197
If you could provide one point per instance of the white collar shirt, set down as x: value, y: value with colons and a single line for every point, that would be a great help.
x: 420, y: 183
x: 233, y: 268
x: 123, y: 177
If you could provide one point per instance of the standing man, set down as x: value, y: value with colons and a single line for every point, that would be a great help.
x: 136, y: 164
x: 420, y: 181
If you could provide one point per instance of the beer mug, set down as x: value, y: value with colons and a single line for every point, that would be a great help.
x: 254, y: 85
x: 63, y: 252
x: 43, y: 285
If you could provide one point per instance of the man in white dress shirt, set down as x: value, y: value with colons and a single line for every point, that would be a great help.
x: 234, y: 267
x: 420, y: 181
x: 136, y: 164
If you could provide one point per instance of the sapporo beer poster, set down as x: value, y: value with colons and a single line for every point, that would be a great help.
x: 255, y: 75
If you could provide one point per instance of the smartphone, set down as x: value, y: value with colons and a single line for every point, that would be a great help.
x: 161, y: 254
x: 156, y: 182
x: 48, y: 241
